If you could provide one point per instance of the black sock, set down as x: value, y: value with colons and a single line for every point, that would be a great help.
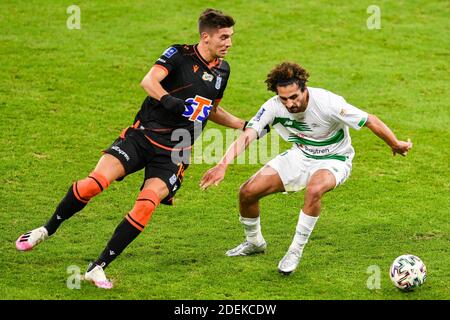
x: 124, y: 234
x: 68, y: 206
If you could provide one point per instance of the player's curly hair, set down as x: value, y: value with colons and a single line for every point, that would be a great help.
x: 214, y: 19
x: 285, y: 74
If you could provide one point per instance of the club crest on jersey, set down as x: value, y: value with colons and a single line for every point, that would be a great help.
x: 173, y: 179
x: 207, y: 77
x: 198, y: 108
x: 170, y: 52
x: 218, y: 82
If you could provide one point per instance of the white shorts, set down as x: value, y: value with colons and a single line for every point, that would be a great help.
x: 295, y: 169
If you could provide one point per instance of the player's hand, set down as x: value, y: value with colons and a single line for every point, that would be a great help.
x: 213, y: 176
x: 173, y: 104
x: 402, y: 147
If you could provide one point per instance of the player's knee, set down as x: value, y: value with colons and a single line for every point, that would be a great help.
x: 314, y: 192
x: 142, y: 211
x: 89, y: 187
x: 247, y: 193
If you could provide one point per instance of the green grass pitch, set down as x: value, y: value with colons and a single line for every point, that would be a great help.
x: 66, y: 94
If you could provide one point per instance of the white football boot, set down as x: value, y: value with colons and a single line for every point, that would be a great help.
x: 97, y: 276
x: 32, y: 238
x: 246, y: 248
x: 290, y: 261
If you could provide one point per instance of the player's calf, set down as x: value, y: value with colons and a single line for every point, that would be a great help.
x: 89, y: 187
x: 291, y: 259
x: 130, y: 227
x: 77, y: 198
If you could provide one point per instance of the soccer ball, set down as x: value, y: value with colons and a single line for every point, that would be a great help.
x: 408, y: 272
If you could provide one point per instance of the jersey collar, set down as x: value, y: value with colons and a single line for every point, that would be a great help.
x: 210, y: 65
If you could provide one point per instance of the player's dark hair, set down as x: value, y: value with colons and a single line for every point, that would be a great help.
x: 287, y: 73
x: 214, y: 19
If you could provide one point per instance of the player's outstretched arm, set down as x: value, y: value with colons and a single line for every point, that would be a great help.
x: 382, y: 130
x: 217, y: 173
x: 224, y: 118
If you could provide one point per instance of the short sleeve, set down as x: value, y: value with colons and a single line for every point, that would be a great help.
x: 346, y: 113
x: 265, y: 116
x: 169, y: 59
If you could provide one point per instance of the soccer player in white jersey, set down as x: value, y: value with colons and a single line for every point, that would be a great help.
x: 317, y: 122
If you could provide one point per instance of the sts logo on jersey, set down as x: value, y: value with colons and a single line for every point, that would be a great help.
x: 198, y: 108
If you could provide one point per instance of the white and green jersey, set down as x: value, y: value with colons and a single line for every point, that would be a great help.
x: 321, y: 131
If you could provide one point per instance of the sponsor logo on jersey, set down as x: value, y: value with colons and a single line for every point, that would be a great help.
x: 292, y: 123
x: 170, y: 52
x: 121, y: 152
x: 316, y: 151
x: 259, y: 114
x: 342, y: 113
x: 195, y: 68
x: 207, y: 77
x: 198, y: 108
x: 218, y: 82
x: 162, y: 60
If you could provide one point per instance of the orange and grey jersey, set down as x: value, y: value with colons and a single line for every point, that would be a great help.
x: 192, y: 79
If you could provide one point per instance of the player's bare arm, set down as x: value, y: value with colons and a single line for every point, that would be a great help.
x: 152, y: 82
x: 224, y: 118
x: 217, y: 173
x: 152, y: 85
x: 379, y: 128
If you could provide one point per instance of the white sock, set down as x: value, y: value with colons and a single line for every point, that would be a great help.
x: 305, y: 226
x: 252, y: 228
